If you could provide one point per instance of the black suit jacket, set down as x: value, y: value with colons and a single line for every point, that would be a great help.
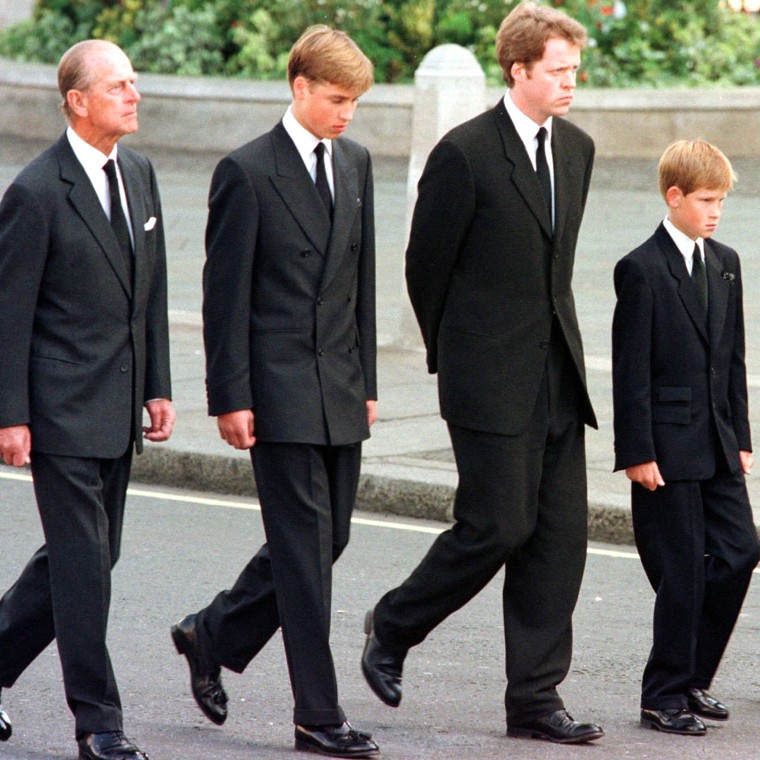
x: 289, y: 306
x: 680, y: 389
x: 486, y: 275
x: 82, y: 349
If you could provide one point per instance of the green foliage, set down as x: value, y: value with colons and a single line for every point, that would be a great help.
x: 654, y: 43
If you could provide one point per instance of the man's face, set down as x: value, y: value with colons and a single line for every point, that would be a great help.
x: 109, y: 104
x: 546, y: 87
x: 322, y: 108
x: 698, y: 213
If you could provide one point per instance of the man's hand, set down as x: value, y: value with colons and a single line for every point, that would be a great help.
x: 646, y: 474
x: 371, y: 412
x: 162, y: 416
x: 16, y: 445
x: 237, y: 428
x: 746, y: 460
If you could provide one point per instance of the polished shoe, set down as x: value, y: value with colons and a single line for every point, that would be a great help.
x: 6, y: 729
x: 676, y: 720
x: 111, y: 745
x: 382, y: 669
x: 558, y: 727
x: 205, y: 678
x: 705, y: 705
x: 336, y: 741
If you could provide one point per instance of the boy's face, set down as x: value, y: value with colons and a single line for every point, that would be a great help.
x: 322, y: 108
x: 698, y: 213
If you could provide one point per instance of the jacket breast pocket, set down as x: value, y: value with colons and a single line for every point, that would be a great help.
x: 672, y: 405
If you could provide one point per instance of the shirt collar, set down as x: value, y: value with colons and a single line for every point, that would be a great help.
x: 90, y: 158
x: 683, y: 242
x: 525, y: 126
x: 304, y: 140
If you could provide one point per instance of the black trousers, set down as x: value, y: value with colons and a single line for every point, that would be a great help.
x: 64, y: 591
x: 520, y: 504
x: 307, y: 495
x: 698, y: 545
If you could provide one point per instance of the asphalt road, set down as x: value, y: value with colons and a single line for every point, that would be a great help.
x: 181, y: 547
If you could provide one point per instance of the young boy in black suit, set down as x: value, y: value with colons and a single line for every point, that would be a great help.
x: 682, y: 434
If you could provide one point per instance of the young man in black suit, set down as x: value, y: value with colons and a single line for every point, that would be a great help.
x: 682, y: 435
x: 289, y: 328
x: 85, y: 346
x: 489, y: 268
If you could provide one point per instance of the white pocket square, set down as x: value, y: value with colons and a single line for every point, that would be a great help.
x: 150, y: 224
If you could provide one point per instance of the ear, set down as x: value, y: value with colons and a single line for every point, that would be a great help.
x: 518, y: 71
x: 301, y: 87
x: 77, y: 101
x: 673, y: 196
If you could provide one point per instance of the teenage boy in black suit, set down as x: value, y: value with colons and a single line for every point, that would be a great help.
x: 682, y: 435
x: 289, y: 330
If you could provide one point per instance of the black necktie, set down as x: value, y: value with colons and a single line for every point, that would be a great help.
x: 542, y: 169
x: 699, y: 276
x: 323, y: 188
x: 118, y: 220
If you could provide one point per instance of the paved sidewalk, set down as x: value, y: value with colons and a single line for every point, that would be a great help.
x: 408, y: 466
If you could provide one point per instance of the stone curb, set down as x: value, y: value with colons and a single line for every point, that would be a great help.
x: 386, y: 495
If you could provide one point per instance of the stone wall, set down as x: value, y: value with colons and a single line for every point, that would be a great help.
x: 217, y: 115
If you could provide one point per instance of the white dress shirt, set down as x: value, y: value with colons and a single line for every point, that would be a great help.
x: 684, y: 243
x: 93, y: 161
x: 305, y: 143
x: 527, y: 129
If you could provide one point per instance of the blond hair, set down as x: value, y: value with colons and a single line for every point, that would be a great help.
x: 693, y: 164
x: 525, y: 31
x: 328, y: 56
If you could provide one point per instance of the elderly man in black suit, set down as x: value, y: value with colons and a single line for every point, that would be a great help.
x: 489, y: 267
x: 289, y: 328
x: 84, y: 341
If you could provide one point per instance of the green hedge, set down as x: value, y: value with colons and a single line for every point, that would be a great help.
x: 653, y: 43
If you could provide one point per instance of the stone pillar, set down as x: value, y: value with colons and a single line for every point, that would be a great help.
x: 13, y: 11
x: 449, y: 88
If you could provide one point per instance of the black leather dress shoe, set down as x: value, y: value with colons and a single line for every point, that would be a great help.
x: 335, y: 741
x: 205, y: 678
x: 111, y: 745
x: 677, y: 720
x: 705, y: 705
x: 6, y: 729
x: 557, y: 727
x: 382, y: 669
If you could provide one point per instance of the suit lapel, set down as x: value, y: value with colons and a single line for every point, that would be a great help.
x: 347, y: 204
x: 523, y: 174
x: 297, y: 190
x: 134, y: 189
x: 567, y: 182
x: 687, y: 291
x: 717, y: 294
x: 85, y: 201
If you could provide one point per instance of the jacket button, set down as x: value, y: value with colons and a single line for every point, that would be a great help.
x: 305, y: 253
x: 320, y: 301
x: 123, y: 368
x: 321, y: 352
x: 354, y: 246
x: 544, y: 344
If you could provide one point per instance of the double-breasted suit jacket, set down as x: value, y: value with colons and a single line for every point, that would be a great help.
x: 488, y: 277
x: 83, y: 348
x: 293, y: 336
x: 680, y: 386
